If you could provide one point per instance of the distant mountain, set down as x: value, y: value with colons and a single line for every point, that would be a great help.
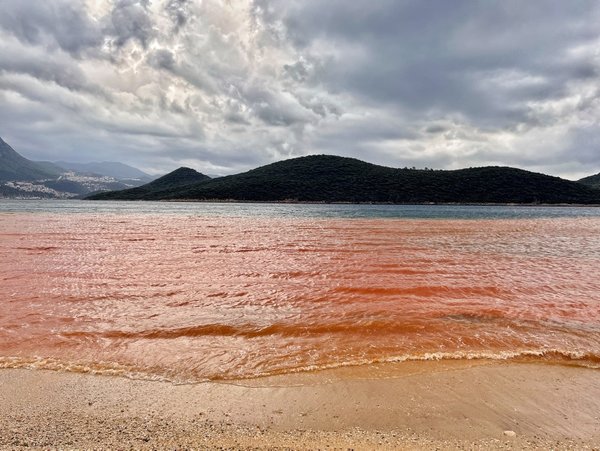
x: 174, y: 180
x: 591, y: 181
x: 23, y: 178
x: 326, y: 178
x: 18, y: 168
x: 51, y: 167
x: 109, y: 168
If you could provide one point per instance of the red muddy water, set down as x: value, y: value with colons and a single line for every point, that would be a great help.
x: 188, y: 298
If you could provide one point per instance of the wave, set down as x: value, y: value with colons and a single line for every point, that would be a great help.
x: 357, y: 326
x: 550, y: 356
x: 588, y: 359
x: 98, y: 368
x: 247, y: 330
x: 38, y: 248
x: 581, y: 359
x: 421, y: 291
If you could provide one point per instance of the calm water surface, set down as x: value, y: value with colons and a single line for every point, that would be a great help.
x: 190, y: 292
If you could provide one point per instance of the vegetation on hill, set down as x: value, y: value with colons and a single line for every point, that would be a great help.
x: 16, y: 168
x: 171, y: 182
x: 51, y: 168
x: 324, y: 178
x: 592, y: 181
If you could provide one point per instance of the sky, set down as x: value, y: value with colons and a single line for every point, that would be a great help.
x: 226, y: 86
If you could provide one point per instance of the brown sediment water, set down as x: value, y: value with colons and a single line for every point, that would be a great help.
x: 190, y: 298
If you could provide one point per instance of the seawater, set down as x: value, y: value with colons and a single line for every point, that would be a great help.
x: 204, y: 291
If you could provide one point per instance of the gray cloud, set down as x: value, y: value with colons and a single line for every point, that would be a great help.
x: 228, y: 86
x: 162, y: 59
x: 59, y: 23
x: 130, y: 20
x: 178, y: 12
x: 440, y: 56
x: 44, y: 70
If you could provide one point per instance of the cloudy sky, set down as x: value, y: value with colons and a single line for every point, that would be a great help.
x: 225, y: 86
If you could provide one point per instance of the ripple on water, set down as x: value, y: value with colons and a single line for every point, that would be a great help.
x: 195, y: 297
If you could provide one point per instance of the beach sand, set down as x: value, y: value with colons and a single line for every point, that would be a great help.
x: 420, y: 405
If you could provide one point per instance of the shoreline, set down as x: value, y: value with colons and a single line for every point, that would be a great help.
x: 296, y: 202
x: 416, y: 405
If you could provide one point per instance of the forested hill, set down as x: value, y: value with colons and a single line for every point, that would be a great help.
x: 324, y: 178
x: 170, y: 182
x: 13, y: 166
x: 591, y: 181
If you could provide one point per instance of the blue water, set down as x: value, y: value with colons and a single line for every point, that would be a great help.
x: 297, y: 210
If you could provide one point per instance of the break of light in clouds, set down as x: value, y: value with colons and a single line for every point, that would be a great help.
x: 224, y: 86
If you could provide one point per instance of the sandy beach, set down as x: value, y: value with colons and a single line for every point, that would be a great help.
x: 421, y: 405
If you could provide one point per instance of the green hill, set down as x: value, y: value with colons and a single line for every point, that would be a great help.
x: 592, y: 181
x: 14, y: 167
x: 171, y: 182
x: 325, y: 178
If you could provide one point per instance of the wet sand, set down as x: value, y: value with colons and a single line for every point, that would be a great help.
x: 424, y: 405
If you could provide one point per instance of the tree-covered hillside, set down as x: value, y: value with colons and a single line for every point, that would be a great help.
x: 324, y: 178
x: 592, y: 181
x: 16, y: 167
x: 167, y: 183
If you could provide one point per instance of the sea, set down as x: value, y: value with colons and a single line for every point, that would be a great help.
x: 191, y: 292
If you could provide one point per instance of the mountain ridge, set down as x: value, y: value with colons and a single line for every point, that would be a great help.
x: 109, y: 168
x: 329, y: 178
x: 15, y: 167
